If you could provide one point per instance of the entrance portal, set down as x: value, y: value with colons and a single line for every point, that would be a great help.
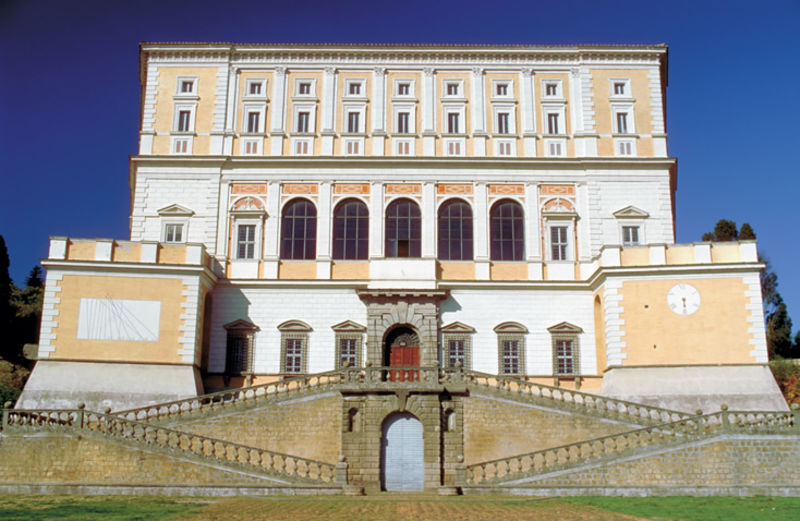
x: 402, y: 350
x: 402, y: 454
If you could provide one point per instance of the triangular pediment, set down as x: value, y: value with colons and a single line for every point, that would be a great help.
x: 565, y: 327
x: 175, y: 210
x: 348, y: 326
x: 631, y: 211
x: 457, y: 327
x: 294, y: 325
x: 510, y: 327
x: 240, y: 324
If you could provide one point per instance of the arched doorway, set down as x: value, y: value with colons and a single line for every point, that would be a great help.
x: 401, y: 349
x: 402, y: 454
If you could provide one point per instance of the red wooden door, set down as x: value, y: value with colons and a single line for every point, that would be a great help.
x: 404, y: 357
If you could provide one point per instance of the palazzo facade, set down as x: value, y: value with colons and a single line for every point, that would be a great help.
x: 299, y: 209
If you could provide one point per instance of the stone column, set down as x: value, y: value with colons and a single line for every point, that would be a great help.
x: 278, y: 105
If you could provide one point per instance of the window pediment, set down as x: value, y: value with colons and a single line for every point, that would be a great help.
x: 510, y: 327
x: 457, y: 327
x: 294, y: 326
x: 248, y: 206
x: 565, y: 327
x: 348, y: 326
x: 175, y: 210
x: 632, y: 212
x: 241, y: 325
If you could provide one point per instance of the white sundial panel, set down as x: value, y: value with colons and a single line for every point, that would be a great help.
x: 118, y: 319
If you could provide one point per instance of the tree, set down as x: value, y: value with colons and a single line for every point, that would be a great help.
x: 779, y: 332
x: 6, y: 310
x: 746, y: 233
x: 34, y: 279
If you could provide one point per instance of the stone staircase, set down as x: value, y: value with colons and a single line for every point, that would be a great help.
x: 524, y: 467
x: 413, y: 377
x: 275, y: 467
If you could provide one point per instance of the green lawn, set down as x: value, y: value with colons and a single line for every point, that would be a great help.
x: 395, y: 507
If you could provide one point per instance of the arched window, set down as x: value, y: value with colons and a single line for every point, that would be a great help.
x: 455, y: 231
x: 299, y: 230
x: 350, y: 230
x: 403, y: 229
x: 508, y: 241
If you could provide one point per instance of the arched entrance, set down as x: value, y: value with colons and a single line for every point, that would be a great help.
x: 402, y: 454
x: 401, y: 349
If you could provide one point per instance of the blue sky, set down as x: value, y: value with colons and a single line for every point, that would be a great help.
x: 69, y: 97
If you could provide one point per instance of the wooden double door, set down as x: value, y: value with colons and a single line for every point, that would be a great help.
x: 407, y: 356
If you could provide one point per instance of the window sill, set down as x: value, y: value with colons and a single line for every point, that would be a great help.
x: 496, y: 99
x: 254, y: 98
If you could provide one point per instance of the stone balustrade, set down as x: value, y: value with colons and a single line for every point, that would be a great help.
x: 575, y: 400
x: 282, y: 466
x: 579, y: 453
x: 395, y: 378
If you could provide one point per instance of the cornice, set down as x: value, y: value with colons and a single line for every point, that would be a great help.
x: 422, y: 54
x: 231, y: 162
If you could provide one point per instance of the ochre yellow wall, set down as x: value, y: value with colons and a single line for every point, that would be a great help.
x: 127, y: 252
x: 509, y: 271
x: 635, y: 256
x: 717, y: 333
x: 74, y: 287
x: 171, y: 254
x: 640, y: 90
x: 680, y: 254
x: 167, y: 88
x: 349, y: 270
x: 721, y: 252
x: 270, y: 88
x: 600, y: 334
x: 289, y: 125
x: 81, y: 250
x: 390, y: 123
x: 456, y: 270
x: 297, y: 270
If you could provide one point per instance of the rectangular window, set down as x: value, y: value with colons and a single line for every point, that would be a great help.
x: 454, y: 148
x: 253, y: 122
x: 622, y: 122
x: 502, y: 89
x: 187, y: 86
x: 554, y: 149
x: 173, y: 233
x: 348, y: 352
x: 255, y: 89
x: 456, y: 353
x: 502, y: 123
x: 565, y: 357
x: 403, y: 148
x: 181, y: 146
x: 246, y: 241
x: 304, y: 88
x: 352, y: 122
x: 184, y: 120
x: 452, y: 123
x: 551, y: 89
x: 552, y: 123
x: 302, y: 122
x: 619, y: 88
x: 402, y: 122
x: 509, y: 356
x: 504, y: 149
x: 624, y: 148
x: 452, y: 89
x: 630, y: 235
x: 558, y: 243
x: 251, y: 148
x: 352, y: 148
x: 354, y: 89
x: 294, y: 355
x: 403, y: 89
x: 237, y: 359
x: 301, y: 148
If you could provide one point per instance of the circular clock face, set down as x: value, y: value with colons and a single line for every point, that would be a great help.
x: 683, y: 299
